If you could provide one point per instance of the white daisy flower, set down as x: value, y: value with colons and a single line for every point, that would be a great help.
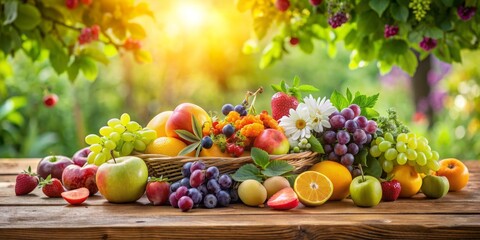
x: 298, y: 124
x: 319, y: 110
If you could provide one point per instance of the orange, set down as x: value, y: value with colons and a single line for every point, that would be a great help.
x: 167, y: 146
x: 338, y: 174
x: 409, y: 179
x: 214, y: 151
x: 455, y: 171
x: 158, y: 123
x: 313, y: 188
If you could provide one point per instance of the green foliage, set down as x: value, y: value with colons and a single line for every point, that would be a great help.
x: 34, y: 26
x: 363, y: 34
x: 366, y: 103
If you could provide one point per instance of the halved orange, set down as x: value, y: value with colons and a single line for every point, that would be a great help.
x: 313, y: 188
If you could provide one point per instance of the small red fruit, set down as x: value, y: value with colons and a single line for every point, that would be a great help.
x: 158, y: 191
x: 76, y: 196
x: 391, y: 190
x: 315, y: 2
x: 284, y: 199
x: 25, y: 182
x: 132, y: 44
x: 71, y: 4
x: 87, y: 2
x: 52, y: 187
x: 294, y: 41
x: 282, y: 5
x: 50, y: 100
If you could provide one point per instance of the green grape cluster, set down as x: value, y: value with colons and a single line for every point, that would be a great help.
x: 121, y: 136
x: 420, y: 8
x: 301, y: 146
x: 406, y: 148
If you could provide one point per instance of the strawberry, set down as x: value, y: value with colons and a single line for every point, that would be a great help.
x: 26, y: 182
x: 390, y: 190
x: 284, y: 199
x: 52, y: 187
x: 288, y: 97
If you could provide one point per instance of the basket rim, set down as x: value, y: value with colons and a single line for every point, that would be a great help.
x: 307, y: 154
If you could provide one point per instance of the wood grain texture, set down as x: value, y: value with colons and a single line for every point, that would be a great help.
x: 34, y: 216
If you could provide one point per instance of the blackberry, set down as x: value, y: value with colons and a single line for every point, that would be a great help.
x: 428, y: 44
x: 338, y: 19
x: 466, y: 13
x: 390, y: 31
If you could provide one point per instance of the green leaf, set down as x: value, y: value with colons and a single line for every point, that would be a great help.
x: 291, y: 178
x: 361, y: 157
x: 371, y: 101
x: 371, y: 113
x: 379, y: 6
x: 276, y: 87
x: 188, y: 149
x: 296, y: 81
x: 283, y: 86
x: 11, y: 105
x: 349, y: 95
x: 373, y: 167
x: 338, y: 100
x: 58, y: 57
x: 368, y: 22
x: 10, y: 11
x: 95, y: 54
x: 399, y: 12
x: 307, y: 88
x: 260, y: 157
x: 448, y: 3
x: 360, y: 100
x: 408, y: 62
x: 142, y: 56
x: 306, y: 45
x: 261, y: 25
x: 88, y: 67
x: 246, y: 172
x: 434, y: 32
x: 136, y: 31
x: 186, y: 135
x: 316, y: 146
x: 197, y: 127
x: 277, y: 168
x: 28, y: 17
x: 73, y: 70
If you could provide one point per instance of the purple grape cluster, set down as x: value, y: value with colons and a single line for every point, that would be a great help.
x: 348, y: 134
x: 338, y: 19
x: 466, y: 13
x: 428, y: 44
x: 390, y: 31
x: 202, y: 186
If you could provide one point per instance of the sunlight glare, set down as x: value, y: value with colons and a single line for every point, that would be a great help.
x: 191, y: 15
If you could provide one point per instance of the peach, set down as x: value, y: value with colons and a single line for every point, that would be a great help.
x: 181, y: 119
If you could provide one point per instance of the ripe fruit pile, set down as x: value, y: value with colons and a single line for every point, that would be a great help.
x: 405, y: 149
x: 350, y: 133
x: 121, y: 136
x: 202, y: 186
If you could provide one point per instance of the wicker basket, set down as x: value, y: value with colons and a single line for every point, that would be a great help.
x: 170, y: 167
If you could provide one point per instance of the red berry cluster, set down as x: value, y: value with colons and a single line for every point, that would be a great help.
x: 315, y: 2
x: 72, y: 4
x: 428, y: 44
x: 338, y: 19
x: 466, y: 13
x: 89, y: 34
x: 132, y: 44
x: 390, y: 31
x: 282, y: 5
x: 235, y: 150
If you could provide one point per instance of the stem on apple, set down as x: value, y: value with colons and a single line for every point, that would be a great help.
x: 361, y: 170
x: 113, y: 156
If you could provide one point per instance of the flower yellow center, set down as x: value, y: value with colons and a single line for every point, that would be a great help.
x: 300, y: 124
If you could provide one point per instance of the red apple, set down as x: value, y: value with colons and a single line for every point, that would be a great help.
x: 158, y: 191
x: 80, y: 157
x: 272, y: 141
x: 181, y: 119
x: 53, y: 165
x: 75, y: 177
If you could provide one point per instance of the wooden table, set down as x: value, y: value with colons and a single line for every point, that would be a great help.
x: 36, y: 217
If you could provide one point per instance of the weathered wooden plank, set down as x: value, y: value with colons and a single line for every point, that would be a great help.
x: 288, y: 226
x: 13, y: 166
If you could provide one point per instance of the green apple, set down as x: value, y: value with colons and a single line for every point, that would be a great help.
x: 435, y: 186
x: 122, y: 180
x: 366, y: 191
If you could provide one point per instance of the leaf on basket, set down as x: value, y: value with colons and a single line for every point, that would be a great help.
x: 260, y: 157
x: 246, y: 172
x: 316, y: 146
x: 277, y: 168
x: 188, y: 136
x: 197, y: 128
x: 189, y: 149
x: 291, y: 178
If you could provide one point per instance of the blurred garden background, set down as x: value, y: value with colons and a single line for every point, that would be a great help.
x: 196, y: 49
